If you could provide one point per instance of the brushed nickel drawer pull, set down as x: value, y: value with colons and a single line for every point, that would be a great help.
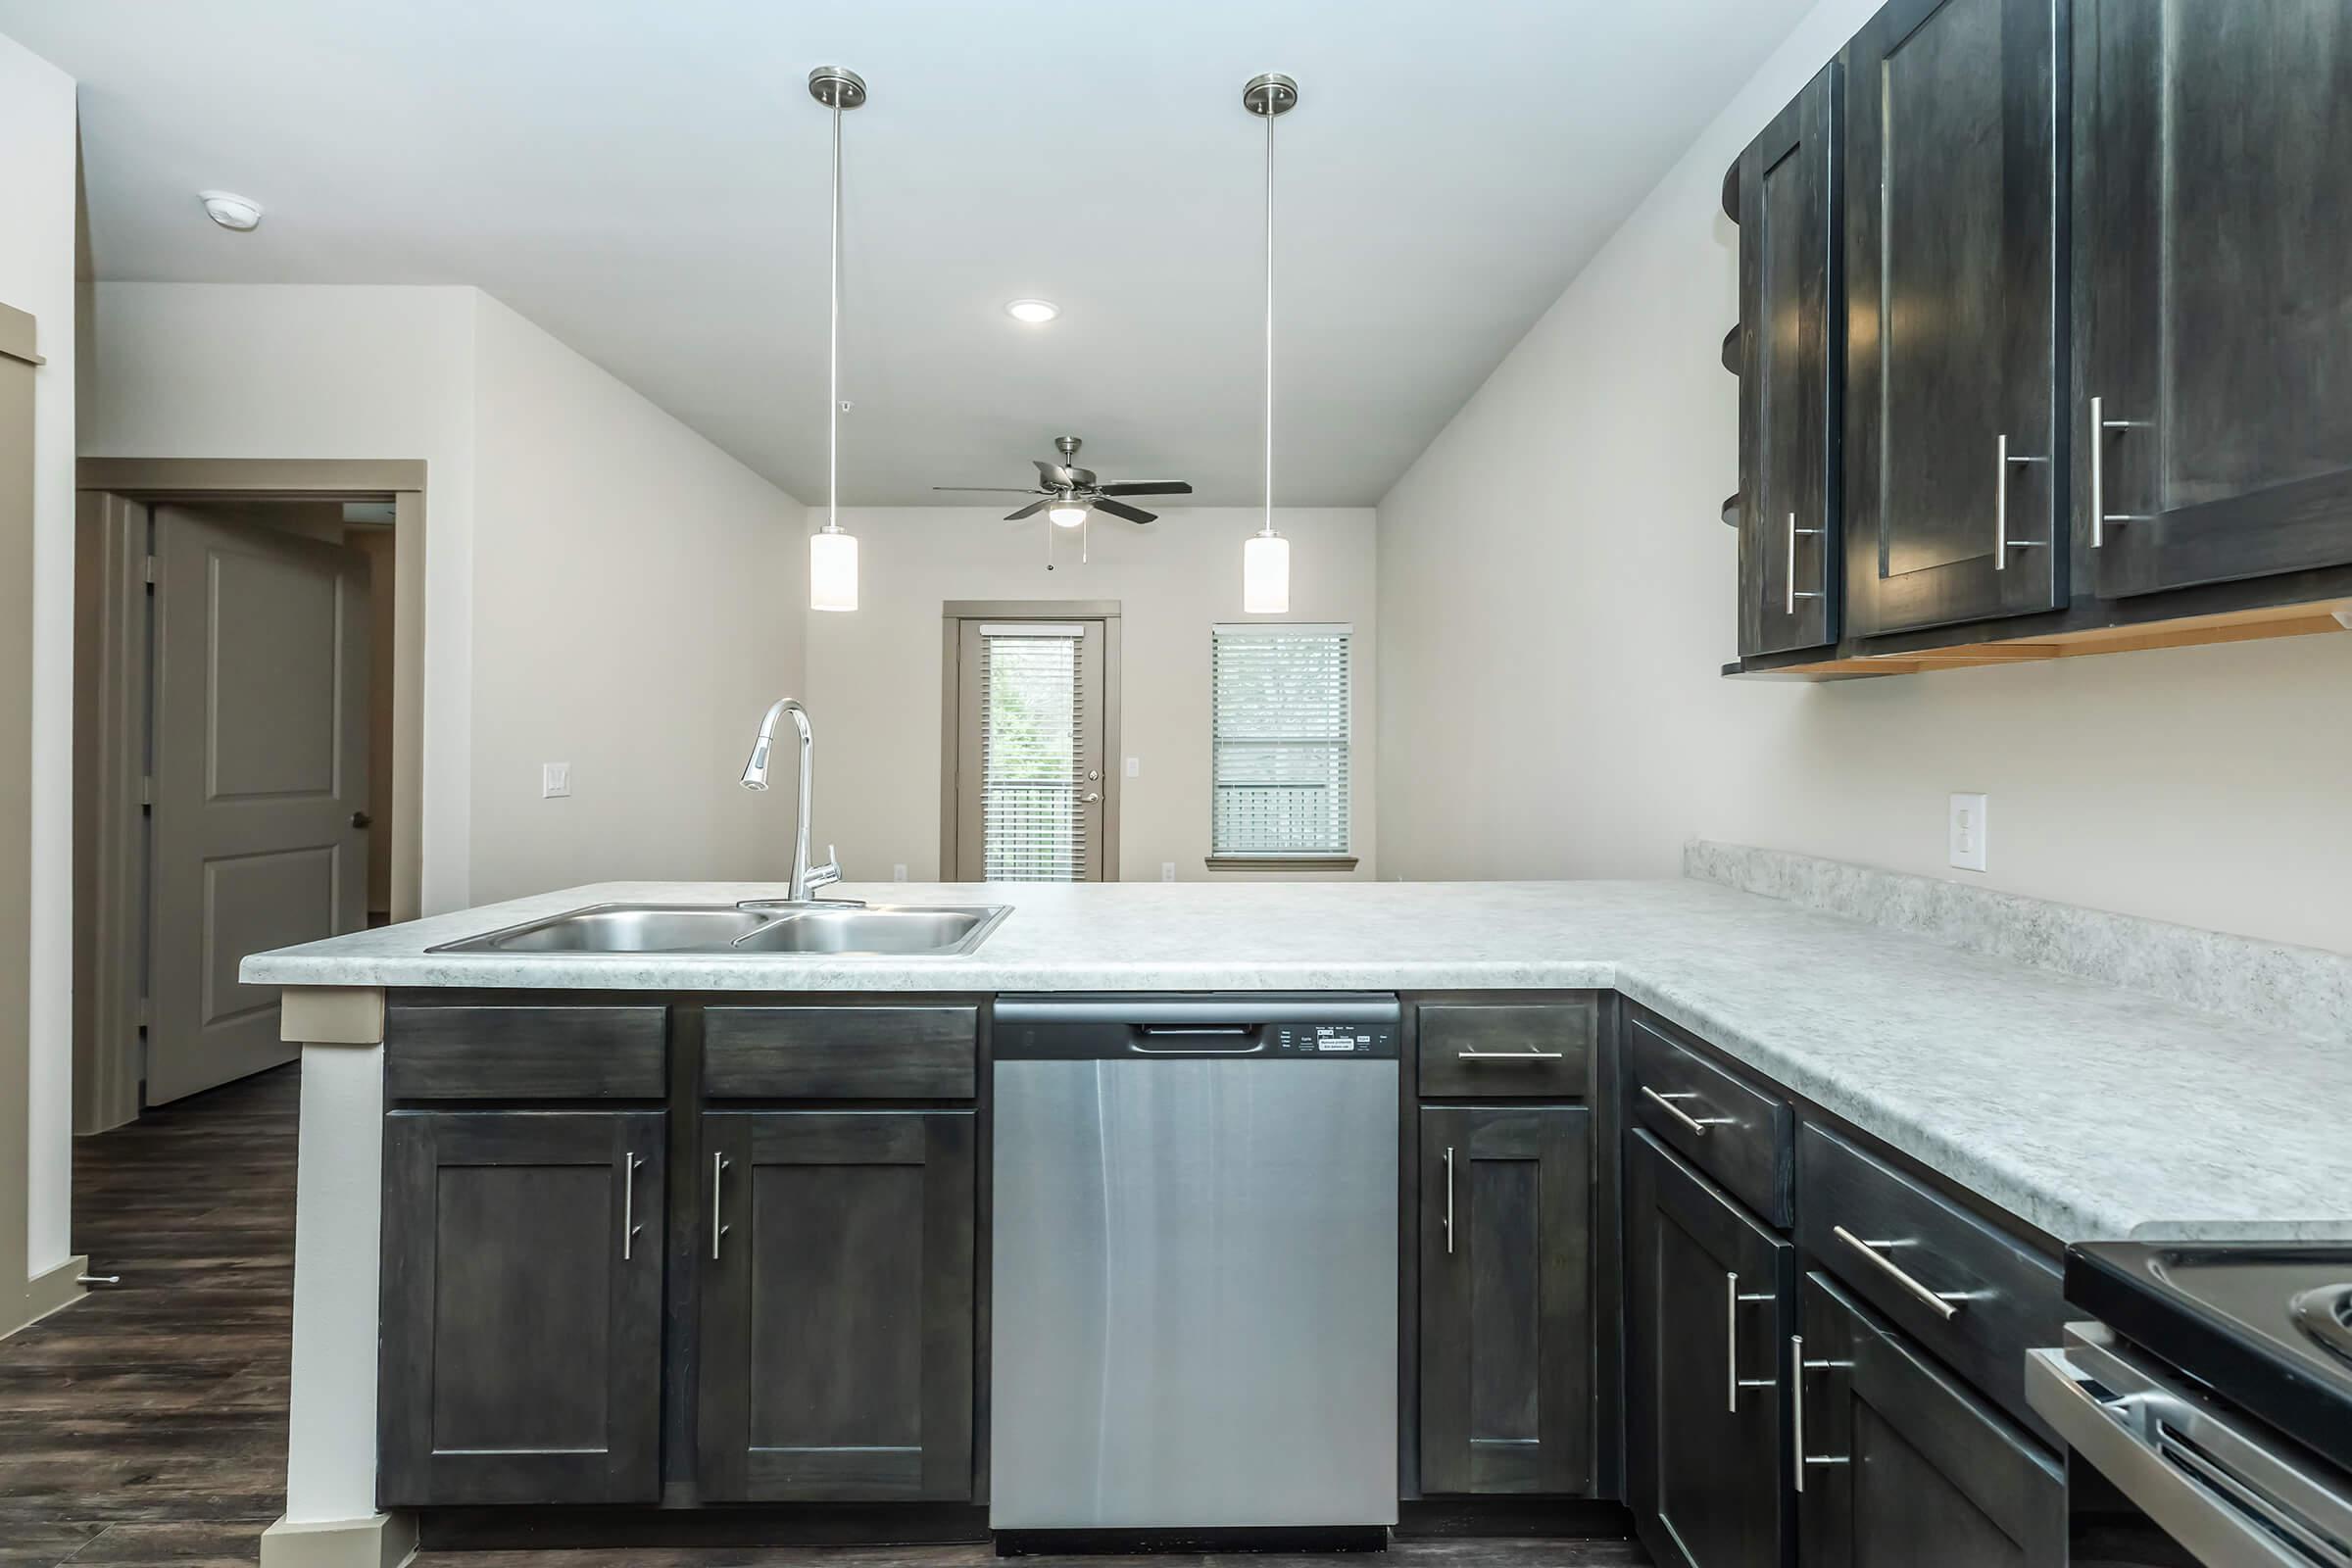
x: 1698, y: 1125
x: 718, y: 1171
x: 1449, y: 1200
x: 1945, y: 1305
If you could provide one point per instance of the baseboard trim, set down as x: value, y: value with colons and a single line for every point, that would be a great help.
x: 379, y: 1541
x: 53, y: 1290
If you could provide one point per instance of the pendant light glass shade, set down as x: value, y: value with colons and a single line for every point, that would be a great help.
x: 1266, y: 575
x: 832, y: 570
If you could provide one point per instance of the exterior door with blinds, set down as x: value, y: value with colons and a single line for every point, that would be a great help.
x: 1030, y: 785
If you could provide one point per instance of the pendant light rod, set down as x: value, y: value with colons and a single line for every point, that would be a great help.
x: 1267, y: 97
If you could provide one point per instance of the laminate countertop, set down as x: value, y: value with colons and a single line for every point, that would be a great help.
x: 2090, y: 1111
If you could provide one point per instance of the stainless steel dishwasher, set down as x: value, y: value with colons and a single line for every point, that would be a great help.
x: 1194, y: 1263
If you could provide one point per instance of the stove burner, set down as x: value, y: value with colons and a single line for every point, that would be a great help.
x: 2325, y: 1315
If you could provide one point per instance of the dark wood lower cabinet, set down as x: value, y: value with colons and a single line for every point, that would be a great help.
x: 1905, y: 1468
x: 521, y: 1294
x: 837, y: 1327
x: 1507, y: 1300
x: 1709, y: 1292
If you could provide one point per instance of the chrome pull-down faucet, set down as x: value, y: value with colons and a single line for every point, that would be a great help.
x: 806, y: 878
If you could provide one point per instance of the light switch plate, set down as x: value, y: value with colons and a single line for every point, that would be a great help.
x: 555, y: 779
x: 1167, y: 870
x: 1135, y: 767
x: 1967, y: 832
x: 898, y: 872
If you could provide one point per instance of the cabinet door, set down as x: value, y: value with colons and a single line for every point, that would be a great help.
x: 1953, y: 347
x: 1790, y: 368
x: 1709, y: 1292
x: 2213, y: 243
x: 1507, y: 1300
x: 521, y: 1357
x: 837, y: 1306
x: 1905, y: 1468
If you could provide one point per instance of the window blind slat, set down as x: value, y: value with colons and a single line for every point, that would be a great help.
x: 1032, y: 826
x: 1281, y: 740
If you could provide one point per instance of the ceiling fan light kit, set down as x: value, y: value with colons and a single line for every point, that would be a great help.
x: 1266, y: 556
x: 833, y: 551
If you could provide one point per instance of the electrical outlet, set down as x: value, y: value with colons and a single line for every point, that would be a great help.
x: 1167, y: 870
x: 1135, y: 767
x: 898, y: 872
x: 1968, y: 832
x: 555, y: 780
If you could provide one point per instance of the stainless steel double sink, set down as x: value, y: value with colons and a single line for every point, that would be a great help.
x: 755, y: 927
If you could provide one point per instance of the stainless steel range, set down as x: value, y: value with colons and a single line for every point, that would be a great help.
x: 2214, y: 1394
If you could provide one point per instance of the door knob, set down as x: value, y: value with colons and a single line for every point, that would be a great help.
x: 1090, y: 797
x: 361, y: 819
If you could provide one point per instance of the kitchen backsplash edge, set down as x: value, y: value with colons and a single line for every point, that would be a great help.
x: 2268, y: 984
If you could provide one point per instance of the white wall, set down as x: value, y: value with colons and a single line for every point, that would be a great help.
x: 638, y: 601
x: 36, y: 276
x: 285, y: 371
x: 1565, y: 631
x: 874, y: 677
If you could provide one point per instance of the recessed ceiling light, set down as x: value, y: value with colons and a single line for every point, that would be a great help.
x: 230, y: 211
x: 1034, y: 312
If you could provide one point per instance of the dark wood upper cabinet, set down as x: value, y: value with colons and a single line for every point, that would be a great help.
x: 1791, y: 372
x: 521, y: 1356
x: 1955, y: 459
x: 2213, y: 262
x: 1507, y: 1300
x: 837, y: 1306
x: 1709, y: 1300
x: 1904, y: 1466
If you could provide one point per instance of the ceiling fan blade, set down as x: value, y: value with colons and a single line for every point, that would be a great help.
x: 1029, y: 511
x: 1083, y: 479
x: 1053, y: 475
x: 988, y: 489
x: 1155, y: 487
x: 1116, y: 510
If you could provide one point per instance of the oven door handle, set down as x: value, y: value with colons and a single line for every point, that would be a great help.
x: 2222, y: 1519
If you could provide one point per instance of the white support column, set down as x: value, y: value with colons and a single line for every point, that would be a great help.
x: 331, y: 1520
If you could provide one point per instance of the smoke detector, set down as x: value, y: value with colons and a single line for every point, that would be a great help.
x: 231, y: 211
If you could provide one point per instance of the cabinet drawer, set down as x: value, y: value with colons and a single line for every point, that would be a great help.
x: 840, y: 1052
x: 1975, y: 1298
x: 492, y: 1052
x: 1542, y: 1050
x: 1735, y: 1133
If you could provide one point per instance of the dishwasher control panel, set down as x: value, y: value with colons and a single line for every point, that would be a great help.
x: 1331, y: 1039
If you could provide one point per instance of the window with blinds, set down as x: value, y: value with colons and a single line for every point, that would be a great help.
x: 1031, y: 704
x: 1281, y: 740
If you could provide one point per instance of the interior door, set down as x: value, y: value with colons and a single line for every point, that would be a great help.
x: 261, y: 781
x: 1954, y: 454
x: 1030, y: 782
x: 2213, y: 244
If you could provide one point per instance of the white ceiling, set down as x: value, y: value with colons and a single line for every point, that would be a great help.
x: 646, y: 180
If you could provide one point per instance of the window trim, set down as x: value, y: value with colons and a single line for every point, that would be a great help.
x: 1342, y: 860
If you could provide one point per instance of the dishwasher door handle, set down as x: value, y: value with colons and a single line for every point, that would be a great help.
x: 1243, y: 1036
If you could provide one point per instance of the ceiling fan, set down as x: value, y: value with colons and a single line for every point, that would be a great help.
x: 1068, y: 493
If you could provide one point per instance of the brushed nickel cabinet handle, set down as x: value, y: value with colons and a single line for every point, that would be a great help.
x: 2002, y: 543
x: 1792, y: 595
x: 1733, y: 1381
x: 1449, y: 1200
x: 1698, y: 1125
x: 718, y: 1173
x: 1945, y: 1305
x: 628, y: 1204
x: 2100, y: 517
x: 1796, y: 1412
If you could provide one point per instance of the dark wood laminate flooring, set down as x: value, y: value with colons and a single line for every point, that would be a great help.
x: 147, y: 1423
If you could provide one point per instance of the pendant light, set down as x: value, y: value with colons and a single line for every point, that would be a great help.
x: 1266, y: 556
x: 832, y: 553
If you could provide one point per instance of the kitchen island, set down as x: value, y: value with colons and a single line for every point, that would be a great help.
x: 2037, y: 1108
